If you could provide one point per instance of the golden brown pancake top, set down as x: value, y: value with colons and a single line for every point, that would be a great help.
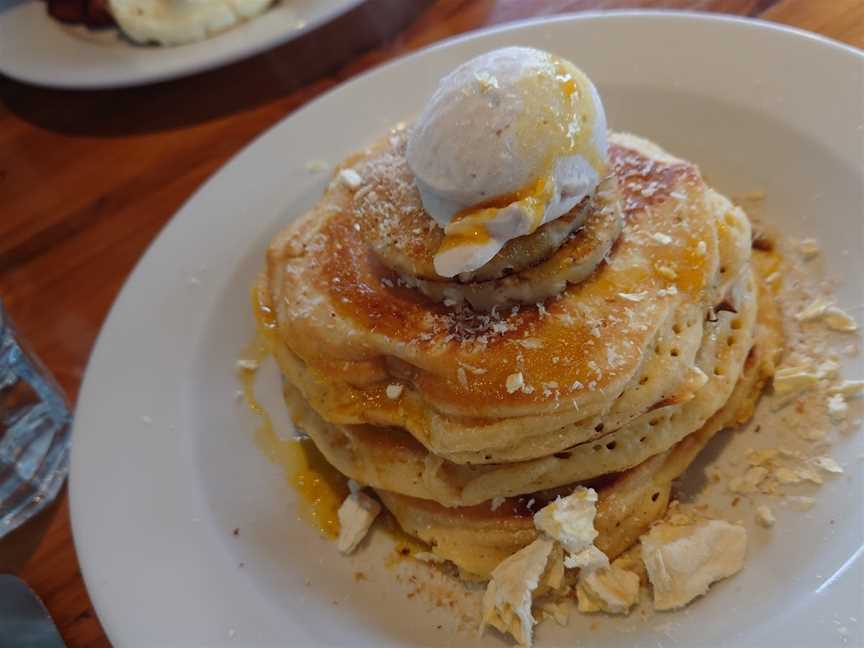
x: 347, y: 316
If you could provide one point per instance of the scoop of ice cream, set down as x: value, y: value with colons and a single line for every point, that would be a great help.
x: 509, y: 141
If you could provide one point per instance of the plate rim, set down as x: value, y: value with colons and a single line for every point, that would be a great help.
x: 137, y: 79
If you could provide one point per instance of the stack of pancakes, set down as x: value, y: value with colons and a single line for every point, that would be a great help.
x: 604, y: 349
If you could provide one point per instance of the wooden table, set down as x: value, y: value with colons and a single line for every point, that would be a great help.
x: 88, y: 179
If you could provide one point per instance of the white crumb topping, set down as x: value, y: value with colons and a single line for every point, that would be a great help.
x: 814, y: 310
x: 667, y: 273
x: 834, y: 318
x: 633, y: 297
x: 394, y: 390
x: 350, y: 178
x: 316, y: 166
x: 839, y: 320
x: 765, y: 516
x: 848, y: 388
x: 808, y: 248
x: 827, y: 464
x: 462, y: 377
x: 837, y: 408
x: 515, y: 382
x: 802, y: 503
x: 356, y: 516
x: 789, y: 380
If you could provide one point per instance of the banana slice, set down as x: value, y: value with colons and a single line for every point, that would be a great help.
x: 176, y: 22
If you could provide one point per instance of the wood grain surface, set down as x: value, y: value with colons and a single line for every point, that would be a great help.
x: 87, y: 180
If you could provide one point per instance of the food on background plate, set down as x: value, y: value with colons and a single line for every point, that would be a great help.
x: 516, y: 329
x: 160, y: 22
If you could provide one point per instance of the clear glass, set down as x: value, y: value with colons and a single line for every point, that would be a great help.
x: 34, y: 432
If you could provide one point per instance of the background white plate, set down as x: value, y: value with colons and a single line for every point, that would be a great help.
x: 38, y: 49
x: 154, y: 501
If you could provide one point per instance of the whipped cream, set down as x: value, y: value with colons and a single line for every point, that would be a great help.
x: 510, y: 140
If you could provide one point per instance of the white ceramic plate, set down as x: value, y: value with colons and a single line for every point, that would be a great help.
x: 163, y: 463
x: 38, y: 49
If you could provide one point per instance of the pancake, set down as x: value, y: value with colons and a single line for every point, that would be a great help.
x: 666, y: 375
x: 478, y: 538
x: 575, y: 260
x: 346, y: 329
x: 404, y: 237
x: 389, y: 458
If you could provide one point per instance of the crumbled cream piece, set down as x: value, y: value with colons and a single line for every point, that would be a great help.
x: 485, y: 80
x: 786, y: 475
x: 515, y: 382
x: 557, y: 611
x: 839, y: 320
x: 848, y: 388
x: 827, y: 464
x: 701, y: 248
x: 316, y: 166
x: 663, y: 239
x: 667, y: 272
x: 763, y: 456
x: 837, y: 408
x: 570, y: 521
x: 749, y: 481
x: 356, y: 516
x: 668, y: 291
x: 802, y: 503
x: 247, y: 364
x: 350, y: 178
x: 784, y: 466
x: 631, y: 560
x: 462, y: 377
x: 553, y: 577
x: 508, y: 597
x: 808, y: 248
x: 589, y: 559
x: 496, y: 502
x: 835, y: 318
x: 765, y: 516
x: 608, y: 589
x: 394, y: 390
x: 789, y: 380
x: 806, y: 473
x: 812, y: 433
x: 684, y: 560
x: 827, y: 369
x: 813, y: 311
x: 530, y: 343
x: 633, y: 297
x: 477, y: 371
